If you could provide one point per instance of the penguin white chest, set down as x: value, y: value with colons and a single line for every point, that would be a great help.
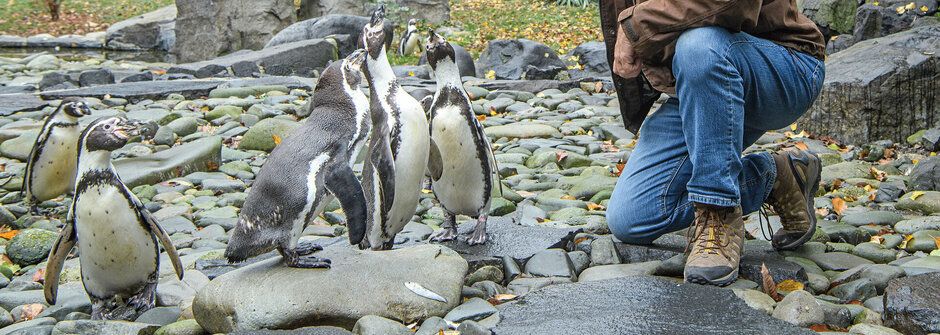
x: 461, y: 186
x: 410, y: 162
x: 117, y: 254
x: 54, y: 170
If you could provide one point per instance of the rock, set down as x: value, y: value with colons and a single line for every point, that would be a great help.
x: 31, y: 246
x: 366, y: 283
x: 603, y: 272
x: 261, y: 136
x: 377, y: 325
x: 56, y: 81
x: 209, y: 28
x: 43, y: 63
x: 13, y: 103
x: 873, y: 21
x: 519, y: 59
x: 298, y: 331
x: 926, y: 175
x: 550, y: 263
x: 160, y: 315
x: 517, y: 130
x: 151, y: 31
x: 838, y: 261
x: 799, y: 308
x: 927, y: 202
x: 875, y: 252
x: 300, y: 58
x: 508, y: 239
x: 859, y: 290
x: 432, y: 326
x: 154, y: 90
x: 922, y: 265
x: 881, y: 274
x: 874, y: 217
x: 200, y: 155
x: 474, y: 309
x: 870, y: 329
x: 19, y: 147
x: 485, y: 273
x: 655, y: 305
x: 96, y: 77
x: 16, y: 327
x: 182, y: 327
x: 603, y: 252
x: 756, y: 300
x: 103, y: 327
x: 912, y: 304
x: 857, y: 90
x: 464, y: 61
x: 320, y: 27
x: 592, y: 58
x: 473, y: 328
x: 834, y: 15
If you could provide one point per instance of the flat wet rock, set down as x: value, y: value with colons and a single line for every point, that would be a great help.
x: 635, y: 305
x: 269, y: 295
x: 506, y: 238
x: 12, y: 103
x: 158, y: 89
x: 912, y: 304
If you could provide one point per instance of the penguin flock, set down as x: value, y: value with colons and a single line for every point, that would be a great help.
x: 399, y: 140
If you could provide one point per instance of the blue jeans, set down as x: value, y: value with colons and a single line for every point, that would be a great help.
x: 731, y: 89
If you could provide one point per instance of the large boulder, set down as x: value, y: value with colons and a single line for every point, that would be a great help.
x: 464, y: 61
x: 432, y: 11
x: 206, y: 29
x: 926, y: 175
x: 154, y: 30
x: 875, y: 21
x: 912, y: 304
x: 269, y: 295
x: 883, y: 88
x: 200, y: 155
x: 591, y: 58
x: 837, y: 16
x: 519, y: 59
x: 347, y: 26
x: 299, y: 58
x: 635, y: 305
x: 12, y: 103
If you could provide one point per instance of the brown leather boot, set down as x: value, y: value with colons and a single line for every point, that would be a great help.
x: 716, y: 246
x: 798, y: 175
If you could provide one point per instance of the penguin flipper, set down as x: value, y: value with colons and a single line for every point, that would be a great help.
x: 435, y: 162
x: 426, y: 103
x: 342, y: 182
x: 164, y: 240
x: 57, y: 256
x: 384, y: 164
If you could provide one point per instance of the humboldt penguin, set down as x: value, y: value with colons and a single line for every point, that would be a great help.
x: 408, y: 142
x: 303, y: 173
x: 116, y: 235
x: 409, y: 40
x: 50, y: 168
x: 461, y: 162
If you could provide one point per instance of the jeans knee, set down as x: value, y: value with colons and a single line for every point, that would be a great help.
x: 696, y: 48
x: 632, y: 222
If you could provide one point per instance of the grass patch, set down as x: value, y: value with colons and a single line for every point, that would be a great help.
x: 560, y: 27
x: 30, y: 17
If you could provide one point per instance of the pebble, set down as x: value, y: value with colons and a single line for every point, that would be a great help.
x: 474, y: 309
x: 800, y: 308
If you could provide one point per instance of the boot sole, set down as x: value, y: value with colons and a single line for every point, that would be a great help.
x: 720, y: 282
x: 810, y: 204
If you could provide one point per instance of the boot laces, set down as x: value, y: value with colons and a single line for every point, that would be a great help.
x: 711, y: 234
x: 763, y: 220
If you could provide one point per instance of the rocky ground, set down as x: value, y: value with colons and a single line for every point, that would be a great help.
x: 551, y: 265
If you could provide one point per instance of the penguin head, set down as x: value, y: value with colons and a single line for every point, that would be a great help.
x: 438, y: 49
x: 74, y: 107
x: 373, y: 34
x: 352, y: 67
x: 108, y: 133
x: 411, y: 24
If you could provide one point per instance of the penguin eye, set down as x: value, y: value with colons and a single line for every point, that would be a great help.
x: 107, y: 127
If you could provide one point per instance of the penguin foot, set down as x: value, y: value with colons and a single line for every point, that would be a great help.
x: 479, y: 232
x: 448, y: 234
x: 305, y: 248
x: 309, y: 262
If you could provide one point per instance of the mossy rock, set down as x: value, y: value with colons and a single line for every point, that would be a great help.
x: 261, y: 136
x: 31, y: 246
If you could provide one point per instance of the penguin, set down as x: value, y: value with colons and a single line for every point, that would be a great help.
x: 461, y: 161
x: 116, y: 235
x: 409, y: 41
x: 409, y: 142
x: 303, y: 174
x: 50, y: 167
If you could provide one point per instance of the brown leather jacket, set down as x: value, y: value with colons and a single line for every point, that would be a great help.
x: 653, y: 26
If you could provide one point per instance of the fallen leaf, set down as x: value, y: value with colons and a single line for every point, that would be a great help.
x: 567, y: 197
x: 525, y: 194
x: 877, y: 239
x: 9, y: 234
x: 936, y: 240
x: 839, y: 205
x: 481, y: 118
x: 277, y: 139
x: 877, y: 174
x: 30, y: 311
x: 620, y: 166
x: 790, y: 285
x: 916, y: 194
x: 770, y: 287
x: 501, y: 298
x: 910, y: 6
x: 903, y: 244
x: 837, y: 184
x: 819, y: 328
x: 924, y: 9
x: 793, y: 127
x: 426, y: 191
x: 594, y: 207
x: 560, y: 155
x: 801, y: 146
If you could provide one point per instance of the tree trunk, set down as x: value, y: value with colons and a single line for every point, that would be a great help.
x: 53, y: 6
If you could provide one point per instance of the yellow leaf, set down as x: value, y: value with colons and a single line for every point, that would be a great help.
x: 567, y: 197
x: 481, y: 118
x: 426, y: 191
x: 491, y: 75
x: 593, y: 207
x: 916, y: 194
x: 411, y: 73
x: 933, y: 154
x: 9, y: 234
x: 936, y: 240
x: 903, y: 244
x: 876, y: 3
x: 838, y: 205
x: 793, y: 127
x: 924, y: 9
x: 877, y: 174
x: 277, y: 139
x: 900, y: 10
x: 801, y: 146
x: 789, y: 285
x: 910, y: 6
x: 877, y: 239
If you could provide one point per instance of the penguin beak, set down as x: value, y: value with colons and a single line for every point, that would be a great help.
x: 85, y: 110
x: 356, y: 58
x: 127, y: 129
x: 378, y: 15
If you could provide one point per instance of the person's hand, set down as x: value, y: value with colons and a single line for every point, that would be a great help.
x: 626, y: 65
